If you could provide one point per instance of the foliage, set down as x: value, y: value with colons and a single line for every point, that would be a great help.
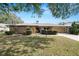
x: 64, y: 10
x: 3, y: 18
x: 59, y: 10
x: 9, y: 32
x: 28, y: 31
x: 74, y: 29
x: 54, y: 32
x: 13, y: 19
x: 78, y: 26
x: 7, y: 8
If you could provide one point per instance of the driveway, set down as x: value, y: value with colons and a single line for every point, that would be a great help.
x: 74, y: 37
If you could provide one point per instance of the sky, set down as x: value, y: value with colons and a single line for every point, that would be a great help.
x: 47, y: 17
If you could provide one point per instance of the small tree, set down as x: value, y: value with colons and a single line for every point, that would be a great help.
x: 74, y: 29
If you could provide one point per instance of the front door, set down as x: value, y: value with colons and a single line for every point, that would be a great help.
x: 37, y: 29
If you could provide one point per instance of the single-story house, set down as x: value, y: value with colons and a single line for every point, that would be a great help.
x: 37, y: 27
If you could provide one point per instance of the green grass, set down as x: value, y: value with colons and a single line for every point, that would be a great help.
x: 37, y: 46
x: 1, y: 33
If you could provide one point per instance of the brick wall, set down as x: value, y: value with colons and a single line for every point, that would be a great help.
x: 59, y: 29
x: 22, y: 29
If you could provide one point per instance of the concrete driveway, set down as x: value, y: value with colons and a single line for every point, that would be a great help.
x: 74, y: 37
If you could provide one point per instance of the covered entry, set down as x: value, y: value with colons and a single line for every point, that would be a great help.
x: 39, y: 29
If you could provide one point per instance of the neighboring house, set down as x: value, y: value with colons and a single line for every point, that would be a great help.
x: 36, y: 28
x: 3, y: 27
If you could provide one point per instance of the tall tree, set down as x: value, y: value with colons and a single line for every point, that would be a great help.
x: 58, y: 10
x: 19, y: 7
x: 74, y: 29
x: 13, y: 19
x: 7, y: 8
x: 64, y: 10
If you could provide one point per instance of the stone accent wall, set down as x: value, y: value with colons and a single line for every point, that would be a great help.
x: 33, y: 29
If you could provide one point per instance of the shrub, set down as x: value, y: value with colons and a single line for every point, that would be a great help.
x: 54, y: 32
x: 74, y: 29
x: 9, y: 32
x: 28, y: 31
x: 43, y: 32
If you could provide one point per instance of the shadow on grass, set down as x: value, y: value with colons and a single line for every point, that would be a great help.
x: 22, y: 45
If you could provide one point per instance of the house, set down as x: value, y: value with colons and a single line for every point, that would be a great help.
x: 38, y: 27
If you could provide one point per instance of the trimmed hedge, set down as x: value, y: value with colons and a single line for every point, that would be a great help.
x: 74, y: 29
x: 9, y: 32
x: 28, y: 32
x: 49, y: 32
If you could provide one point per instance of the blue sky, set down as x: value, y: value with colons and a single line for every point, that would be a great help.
x: 46, y: 17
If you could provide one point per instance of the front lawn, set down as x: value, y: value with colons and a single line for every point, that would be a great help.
x: 21, y: 45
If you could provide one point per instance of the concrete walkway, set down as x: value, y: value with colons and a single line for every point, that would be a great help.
x: 74, y: 37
